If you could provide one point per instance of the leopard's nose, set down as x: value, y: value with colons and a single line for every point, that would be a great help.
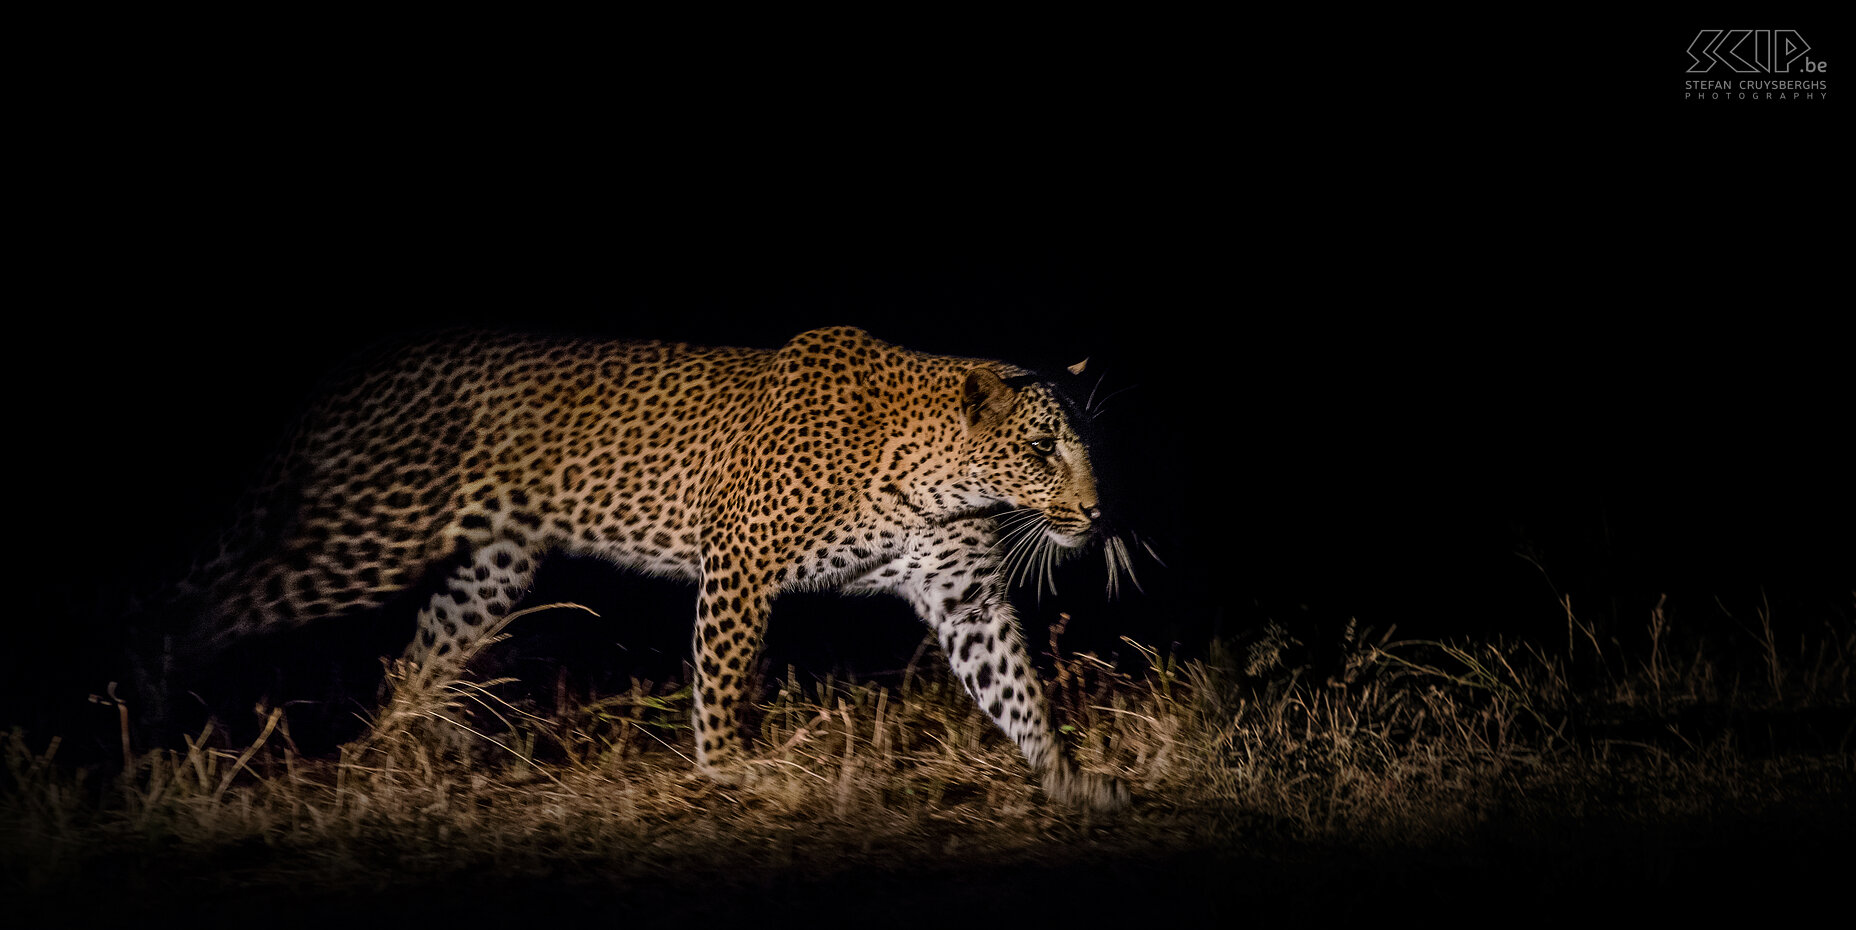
x: 1093, y: 512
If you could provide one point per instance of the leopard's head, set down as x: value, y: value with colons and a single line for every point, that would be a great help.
x: 1031, y: 451
x: 1026, y: 450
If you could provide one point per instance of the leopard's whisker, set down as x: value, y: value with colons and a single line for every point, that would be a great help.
x: 1121, y: 562
x: 1017, y: 514
x: 1111, y: 562
x: 1018, y: 556
x: 1028, y: 559
x: 1014, y: 563
x: 1050, y: 566
x: 1017, y: 535
x: 1018, y: 524
x: 1104, y: 404
x: 1150, y: 551
x: 1041, y: 565
x: 1028, y: 567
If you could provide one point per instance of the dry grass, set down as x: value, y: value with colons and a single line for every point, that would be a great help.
x: 1388, y: 746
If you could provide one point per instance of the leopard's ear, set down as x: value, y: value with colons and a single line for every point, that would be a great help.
x: 1077, y: 369
x: 985, y: 399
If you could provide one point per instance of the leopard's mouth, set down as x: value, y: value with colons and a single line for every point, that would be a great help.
x: 1034, y: 541
x: 1070, y: 534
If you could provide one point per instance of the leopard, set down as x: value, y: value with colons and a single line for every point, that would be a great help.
x: 837, y: 462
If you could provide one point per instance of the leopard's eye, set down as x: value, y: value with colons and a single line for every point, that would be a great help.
x: 1043, y: 446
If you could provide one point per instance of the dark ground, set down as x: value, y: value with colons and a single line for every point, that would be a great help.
x: 1722, y: 869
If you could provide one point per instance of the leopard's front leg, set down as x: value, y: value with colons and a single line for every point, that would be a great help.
x: 952, y: 578
x: 986, y: 649
x: 731, y: 619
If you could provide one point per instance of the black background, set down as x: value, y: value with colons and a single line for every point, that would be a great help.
x: 1397, y: 303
